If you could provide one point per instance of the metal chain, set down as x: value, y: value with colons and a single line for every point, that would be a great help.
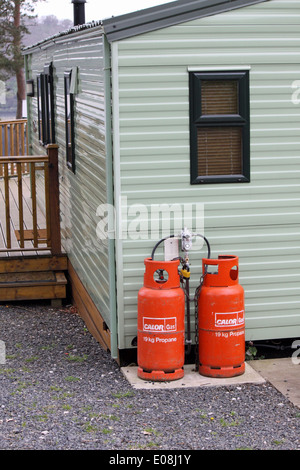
x: 196, y: 335
x: 196, y: 300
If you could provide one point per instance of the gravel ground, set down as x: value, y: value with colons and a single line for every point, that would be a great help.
x: 60, y: 391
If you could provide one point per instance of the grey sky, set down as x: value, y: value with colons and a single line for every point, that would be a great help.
x: 94, y: 9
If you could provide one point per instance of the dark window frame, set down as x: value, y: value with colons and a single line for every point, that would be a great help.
x: 198, y: 120
x: 41, y: 107
x: 45, y: 97
x: 69, y: 121
x: 49, y: 103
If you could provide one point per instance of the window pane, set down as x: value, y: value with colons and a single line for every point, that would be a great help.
x: 219, y: 97
x: 69, y: 122
x: 219, y: 151
x: 39, y: 101
x: 68, y: 119
x: 50, y: 110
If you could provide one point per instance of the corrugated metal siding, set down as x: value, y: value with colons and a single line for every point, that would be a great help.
x: 258, y: 221
x: 82, y: 193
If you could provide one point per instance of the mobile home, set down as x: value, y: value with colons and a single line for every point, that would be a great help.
x: 191, y: 105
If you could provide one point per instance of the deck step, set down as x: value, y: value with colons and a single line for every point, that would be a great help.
x: 36, y: 278
x: 44, y: 278
x: 33, y: 263
x: 29, y: 286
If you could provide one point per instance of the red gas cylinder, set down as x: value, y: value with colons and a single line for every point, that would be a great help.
x: 221, y: 319
x: 161, y: 308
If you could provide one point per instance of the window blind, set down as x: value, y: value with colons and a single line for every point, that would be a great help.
x: 219, y: 97
x: 219, y: 151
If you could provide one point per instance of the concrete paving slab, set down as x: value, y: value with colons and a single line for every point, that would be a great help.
x: 283, y: 374
x: 192, y: 379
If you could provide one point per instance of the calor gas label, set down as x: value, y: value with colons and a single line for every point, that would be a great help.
x: 159, y: 325
x: 229, y: 319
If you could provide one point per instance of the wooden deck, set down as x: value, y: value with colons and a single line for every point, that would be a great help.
x: 15, y: 222
x: 32, y: 264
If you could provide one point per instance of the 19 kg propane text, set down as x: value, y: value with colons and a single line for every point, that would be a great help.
x: 158, y: 339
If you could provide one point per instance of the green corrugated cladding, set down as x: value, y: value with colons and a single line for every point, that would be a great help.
x: 257, y: 221
x: 82, y: 193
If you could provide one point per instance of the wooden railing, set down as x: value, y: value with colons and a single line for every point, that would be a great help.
x: 14, y: 141
x: 34, y: 238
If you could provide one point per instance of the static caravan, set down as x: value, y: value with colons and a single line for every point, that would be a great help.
x: 182, y: 115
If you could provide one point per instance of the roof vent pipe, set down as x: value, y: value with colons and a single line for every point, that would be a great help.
x: 79, y: 12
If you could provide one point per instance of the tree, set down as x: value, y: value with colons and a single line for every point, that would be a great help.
x: 13, y: 14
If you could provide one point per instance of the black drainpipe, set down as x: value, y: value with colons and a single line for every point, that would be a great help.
x: 79, y: 12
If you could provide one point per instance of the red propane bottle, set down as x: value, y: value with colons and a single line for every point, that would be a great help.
x: 161, y: 309
x: 221, y: 320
